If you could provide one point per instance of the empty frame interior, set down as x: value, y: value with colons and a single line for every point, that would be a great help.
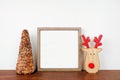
x: 59, y: 49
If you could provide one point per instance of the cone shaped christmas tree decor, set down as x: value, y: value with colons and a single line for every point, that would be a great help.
x: 25, y: 63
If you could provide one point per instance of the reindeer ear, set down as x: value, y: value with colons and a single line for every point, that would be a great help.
x: 85, y: 49
x: 99, y: 49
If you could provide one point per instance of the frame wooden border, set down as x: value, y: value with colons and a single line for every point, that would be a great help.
x: 80, y: 55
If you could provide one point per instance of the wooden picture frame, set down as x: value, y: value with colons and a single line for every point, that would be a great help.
x: 50, y: 49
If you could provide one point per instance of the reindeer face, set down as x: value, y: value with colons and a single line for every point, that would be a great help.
x: 91, y: 63
x: 91, y: 58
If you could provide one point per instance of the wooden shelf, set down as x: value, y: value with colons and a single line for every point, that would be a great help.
x: 51, y: 75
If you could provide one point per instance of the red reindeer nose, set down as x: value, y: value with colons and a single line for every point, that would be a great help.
x: 91, y: 65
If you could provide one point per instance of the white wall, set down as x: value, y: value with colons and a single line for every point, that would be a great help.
x: 94, y: 16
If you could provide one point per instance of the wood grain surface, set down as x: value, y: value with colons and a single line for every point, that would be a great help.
x: 52, y: 75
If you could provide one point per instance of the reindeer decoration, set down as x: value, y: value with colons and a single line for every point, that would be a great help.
x: 91, y: 62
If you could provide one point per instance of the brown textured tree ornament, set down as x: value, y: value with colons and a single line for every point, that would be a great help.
x: 25, y: 63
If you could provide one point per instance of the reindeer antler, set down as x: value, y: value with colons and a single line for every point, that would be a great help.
x: 97, y: 41
x: 86, y: 41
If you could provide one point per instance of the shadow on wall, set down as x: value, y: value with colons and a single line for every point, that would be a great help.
x: 33, y: 39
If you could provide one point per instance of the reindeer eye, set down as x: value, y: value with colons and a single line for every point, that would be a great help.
x: 90, y: 53
x: 93, y: 53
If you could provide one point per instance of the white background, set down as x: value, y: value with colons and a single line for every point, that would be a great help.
x: 94, y: 16
x: 59, y: 49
